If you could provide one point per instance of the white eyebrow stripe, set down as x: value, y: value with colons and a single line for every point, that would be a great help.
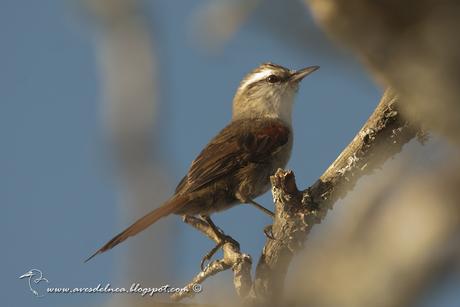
x: 257, y: 77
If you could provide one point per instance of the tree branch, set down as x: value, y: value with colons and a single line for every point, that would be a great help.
x: 233, y: 258
x: 296, y: 212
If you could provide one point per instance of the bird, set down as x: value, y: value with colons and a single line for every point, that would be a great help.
x: 236, y: 165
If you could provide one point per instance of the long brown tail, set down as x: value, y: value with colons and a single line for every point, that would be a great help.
x: 167, y: 208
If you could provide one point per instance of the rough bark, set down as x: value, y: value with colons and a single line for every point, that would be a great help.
x: 296, y: 212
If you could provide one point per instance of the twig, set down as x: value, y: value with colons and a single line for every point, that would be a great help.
x: 233, y: 258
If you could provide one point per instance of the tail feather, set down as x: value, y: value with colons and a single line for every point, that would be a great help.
x: 169, y: 207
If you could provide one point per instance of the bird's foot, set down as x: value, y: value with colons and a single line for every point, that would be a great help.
x: 223, y: 240
x: 209, y: 255
x: 268, y: 231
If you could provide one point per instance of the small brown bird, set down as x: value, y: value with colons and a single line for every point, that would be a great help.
x: 235, y: 167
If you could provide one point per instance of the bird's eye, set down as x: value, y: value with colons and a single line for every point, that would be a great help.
x: 273, y: 79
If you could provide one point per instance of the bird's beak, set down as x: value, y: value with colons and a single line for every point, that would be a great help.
x: 28, y: 274
x: 298, y: 75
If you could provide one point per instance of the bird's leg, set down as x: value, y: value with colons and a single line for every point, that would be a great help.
x: 247, y: 200
x: 209, y: 255
x: 260, y: 207
x: 219, y: 233
x: 268, y: 231
x: 223, y: 238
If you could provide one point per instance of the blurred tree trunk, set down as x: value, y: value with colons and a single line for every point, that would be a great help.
x: 128, y: 74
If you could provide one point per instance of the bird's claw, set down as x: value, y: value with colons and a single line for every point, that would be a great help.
x: 227, y: 239
x: 223, y: 240
x: 268, y: 231
x: 209, y: 255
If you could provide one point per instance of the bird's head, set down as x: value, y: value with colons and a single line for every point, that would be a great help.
x: 268, y: 91
x: 28, y: 274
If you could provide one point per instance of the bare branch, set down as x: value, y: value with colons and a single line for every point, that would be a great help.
x: 233, y: 258
x: 296, y: 212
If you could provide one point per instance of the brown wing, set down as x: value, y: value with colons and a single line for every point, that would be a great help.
x: 240, y: 143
